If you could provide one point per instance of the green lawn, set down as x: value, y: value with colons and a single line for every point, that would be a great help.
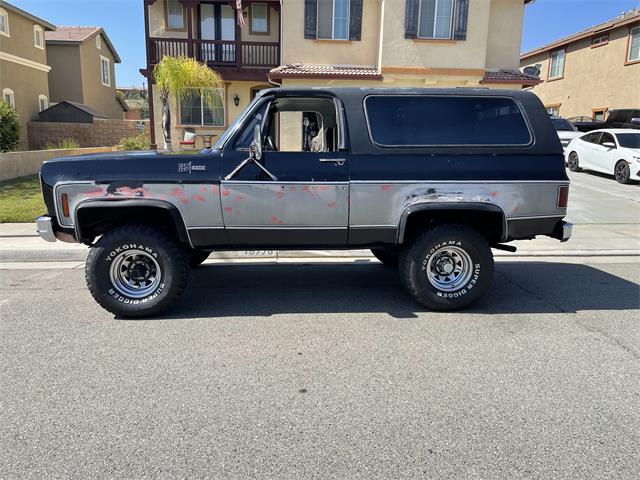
x: 21, y: 200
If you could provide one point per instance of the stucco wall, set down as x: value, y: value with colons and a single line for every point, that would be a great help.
x: 593, y: 77
x: 21, y: 42
x: 295, y: 48
x: 504, y: 34
x: 65, y: 78
x: 97, y: 95
x: 20, y: 164
x: 27, y: 84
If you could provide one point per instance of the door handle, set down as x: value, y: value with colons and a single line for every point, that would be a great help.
x: 338, y: 161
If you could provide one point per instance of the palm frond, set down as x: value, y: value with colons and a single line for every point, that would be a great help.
x: 183, y: 77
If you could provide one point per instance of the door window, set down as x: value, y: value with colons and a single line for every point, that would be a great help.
x: 606, y: 138
x: 591, y: 137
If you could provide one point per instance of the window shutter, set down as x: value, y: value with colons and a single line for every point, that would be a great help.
x: 461, y: 20
x: 310, y: 18
x: 411, y: 18
x: 355, y: 20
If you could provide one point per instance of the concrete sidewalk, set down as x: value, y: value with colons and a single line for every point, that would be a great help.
x: 20, y: 243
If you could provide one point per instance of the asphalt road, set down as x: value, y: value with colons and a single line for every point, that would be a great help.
x: 325, y: 371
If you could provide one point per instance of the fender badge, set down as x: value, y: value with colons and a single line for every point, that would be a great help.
x: 188, y: 168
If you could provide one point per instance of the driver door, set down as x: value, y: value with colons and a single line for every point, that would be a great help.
x: 306, y: 201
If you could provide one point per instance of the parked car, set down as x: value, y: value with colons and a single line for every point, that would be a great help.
x: 623, y: 118
x: 322, y: 168
x: 566, y: 131
x: 615, y: 152
x: 585, y: 124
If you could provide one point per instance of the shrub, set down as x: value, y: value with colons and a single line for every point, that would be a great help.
x: 9, y: 128
x: 139, y: 142
x: 65, y: 143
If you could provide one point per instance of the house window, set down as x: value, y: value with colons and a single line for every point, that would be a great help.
x: 333, y: 19
x: 195, y: 110
x: 599, y: 41
x: 435, y: 19
x: 553, y: 110
x: 4, y: 22
x: 599, y: 114
x: 175, y: 15
x: 556, y: 65
x: 634, y: 45
x: 259, y: 18
x: 105, y: 66
x: 38, y: 36
x: 43, y: 103
x: 9, y: 97
x: 98, y: 42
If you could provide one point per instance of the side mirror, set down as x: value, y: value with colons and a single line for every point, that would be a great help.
x: 256, y: 145
x: 635, y: 120
x: 609, y: 145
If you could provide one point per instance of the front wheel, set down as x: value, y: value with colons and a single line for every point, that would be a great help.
x: 573, y: 162
x: 136, y: 271
x: 447, y: 268
x: 622, y: 172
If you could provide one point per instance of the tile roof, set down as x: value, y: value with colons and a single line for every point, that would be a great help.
x: 349, y: 72
x: 624, y: 19
x: 79, y: 35
x: 504, y: 76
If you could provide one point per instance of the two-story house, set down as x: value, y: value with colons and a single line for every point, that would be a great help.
x: 82, y: 61
x: 430, y: 43
x: 592, y: 71
x: 208, y: 31
x: 24, y: 70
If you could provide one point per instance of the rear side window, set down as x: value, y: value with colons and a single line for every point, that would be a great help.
x: 410, y: 120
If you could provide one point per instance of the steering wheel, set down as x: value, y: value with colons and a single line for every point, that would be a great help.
x: 270, y: 145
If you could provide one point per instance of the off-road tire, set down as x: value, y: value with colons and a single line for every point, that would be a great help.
x: 387, y: 256
x: 196, y: 257
x: 573, y: 162
x: 168, y: 254
x: 622, y: 172
x: 415, y: 259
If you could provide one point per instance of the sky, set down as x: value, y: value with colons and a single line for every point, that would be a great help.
x: 545, y: 21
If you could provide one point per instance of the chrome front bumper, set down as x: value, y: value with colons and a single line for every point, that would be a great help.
x: 45, y: 228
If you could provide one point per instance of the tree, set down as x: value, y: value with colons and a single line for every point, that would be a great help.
x: 182, y: 78
x: 9, y: 128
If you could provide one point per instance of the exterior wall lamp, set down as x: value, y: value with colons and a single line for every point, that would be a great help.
x: 236, y: 100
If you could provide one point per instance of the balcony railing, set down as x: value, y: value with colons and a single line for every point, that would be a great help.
x: 221, y: 53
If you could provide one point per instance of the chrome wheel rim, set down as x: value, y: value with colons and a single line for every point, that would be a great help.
x: 573, y: 160
x: 449, y: 268
x: 135, y: 274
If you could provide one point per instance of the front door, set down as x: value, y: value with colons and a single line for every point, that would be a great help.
x: 306, y: 201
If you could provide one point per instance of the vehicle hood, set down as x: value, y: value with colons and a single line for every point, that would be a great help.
x: 148, y: 166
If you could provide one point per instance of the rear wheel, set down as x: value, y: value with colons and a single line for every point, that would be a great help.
x: 574, y: 162
x: 622, y: 172
x: 447, y: 268
x: 388, y: 256
x: 136, y: 271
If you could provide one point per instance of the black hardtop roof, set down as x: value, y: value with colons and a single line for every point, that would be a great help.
x: 355, y: 92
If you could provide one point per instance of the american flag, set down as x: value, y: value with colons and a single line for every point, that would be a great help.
x: 239, y: 12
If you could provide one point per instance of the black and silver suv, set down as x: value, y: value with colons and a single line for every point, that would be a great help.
x: 429, y: 180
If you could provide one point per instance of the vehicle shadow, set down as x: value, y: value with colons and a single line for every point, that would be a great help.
x: 268, y: 289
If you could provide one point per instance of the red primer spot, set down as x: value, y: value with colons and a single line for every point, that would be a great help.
x: 324, y: 188
x: 228, y: 209
x: 226, y: 193
x: 292, y: 189
x: 237, y: 212
x: 95, y: 193
x: 184, y: 200
x: 214, y: 189
x: 162, y: 196
x: 305, y: 188
x: 199, y: 198
x: 494, y: 194
x: 176, y: 192
x: 279, y: 195
x: 275, y: 219
x: 203, y: 189
x: 332, y: 205
x: 385, y: 188
x: 239, y: 198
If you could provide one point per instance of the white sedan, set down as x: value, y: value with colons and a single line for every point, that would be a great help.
x: 612, y: 151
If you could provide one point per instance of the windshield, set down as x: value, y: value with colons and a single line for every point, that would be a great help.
x: 232, y: 128
x: 629, y: 140
x: 562, y: 124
